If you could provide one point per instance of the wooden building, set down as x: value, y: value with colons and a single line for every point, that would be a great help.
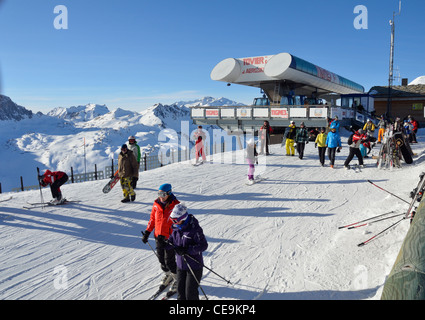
x: 405, y: 100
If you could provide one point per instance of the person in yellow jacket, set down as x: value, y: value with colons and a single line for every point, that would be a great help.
x: 321, y: 144
x: 369, y: 128
x: 290, y: 136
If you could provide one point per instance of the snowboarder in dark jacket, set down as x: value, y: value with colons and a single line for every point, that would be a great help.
x: 188, y: 240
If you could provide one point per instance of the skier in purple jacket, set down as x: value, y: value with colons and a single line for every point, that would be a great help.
x: 189, y: 242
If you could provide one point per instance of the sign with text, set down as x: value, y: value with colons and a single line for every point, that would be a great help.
x: 211, y: 113
x: 279, y: 113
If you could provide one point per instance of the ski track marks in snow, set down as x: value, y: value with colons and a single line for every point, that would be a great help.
x: 276, y: 239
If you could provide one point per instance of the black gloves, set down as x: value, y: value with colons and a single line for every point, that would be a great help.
x: 145, y: 236
x: 181, y: 251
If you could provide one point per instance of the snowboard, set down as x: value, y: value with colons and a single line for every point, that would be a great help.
x: 402, y: 144
x: 111, y: 183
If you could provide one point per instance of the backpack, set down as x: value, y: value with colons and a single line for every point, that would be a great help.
x: 350, y: 139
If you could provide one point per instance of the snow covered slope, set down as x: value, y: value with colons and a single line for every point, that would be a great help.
x: 56, y: 140
x: 275, y: 240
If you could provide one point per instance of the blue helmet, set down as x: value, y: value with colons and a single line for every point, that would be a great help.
x: 166, y: 187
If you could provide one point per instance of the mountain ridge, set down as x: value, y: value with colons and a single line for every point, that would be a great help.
x: 83, y: 136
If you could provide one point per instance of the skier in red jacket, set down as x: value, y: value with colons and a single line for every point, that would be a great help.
x: 160, y: 222
x: 55, y: 179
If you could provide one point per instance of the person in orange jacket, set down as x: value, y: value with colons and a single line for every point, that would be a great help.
x: 55, y: 179
x: 162, y: 224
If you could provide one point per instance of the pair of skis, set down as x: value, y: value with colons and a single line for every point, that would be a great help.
x: 34, y: 205
x: 161, y: 289
x: 416, y: 196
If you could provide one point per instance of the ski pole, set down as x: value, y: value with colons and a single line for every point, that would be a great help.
x: 374, y: 217
x: 368, y: 223
x: 150, y: 246
x: 367, y: 241
x: 201, y: 264
x: 39, y: 185
x: 388, y: 192
x: 193, y: 274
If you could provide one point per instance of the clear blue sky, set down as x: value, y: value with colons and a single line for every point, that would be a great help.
x: 134, y: 53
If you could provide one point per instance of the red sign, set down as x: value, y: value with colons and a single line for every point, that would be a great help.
x: 254, y: 60
x: 279, y: 113
x: 211, y: 112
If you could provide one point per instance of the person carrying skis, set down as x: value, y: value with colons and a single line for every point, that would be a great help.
x: 320, y: 143
x: 290, y: 136
x: 354, y: 142
x: 134, y: 147
x: 199, y: 137
x: 333, y: 141
x: 188, y: 241
x: 251, y: 155
x: 301, y: 139
x: 265, y: 130
x: 127, y: 169
x: 55, y: 179
x: 160, y: 222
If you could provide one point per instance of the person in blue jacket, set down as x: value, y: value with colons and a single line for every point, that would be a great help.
x: 188, y: 240
x: 333, y: 142
x: 335, y: 124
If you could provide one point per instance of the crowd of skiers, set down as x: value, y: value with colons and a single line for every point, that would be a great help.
x: 179, y: 239
x: 360, y: 142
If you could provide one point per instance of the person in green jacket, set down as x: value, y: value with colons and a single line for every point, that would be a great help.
x: 301, y: 139
x: 321, y: 144
x: 134, y: 147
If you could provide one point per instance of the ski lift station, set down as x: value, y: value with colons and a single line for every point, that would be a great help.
x: 292, y: 89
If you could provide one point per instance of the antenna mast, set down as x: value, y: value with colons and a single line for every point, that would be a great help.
x: 391, y: 73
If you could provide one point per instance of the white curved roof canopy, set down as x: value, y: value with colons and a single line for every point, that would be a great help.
x: 255, y: 71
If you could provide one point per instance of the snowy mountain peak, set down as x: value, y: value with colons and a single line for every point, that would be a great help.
x: 79, y: 113
x: 209, y: 101
x: 9, y: 110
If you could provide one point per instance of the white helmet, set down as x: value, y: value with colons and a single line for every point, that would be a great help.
x: 179, y: 213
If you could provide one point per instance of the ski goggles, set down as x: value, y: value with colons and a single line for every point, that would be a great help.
x: 179, y: 219
x: 163, y: 194
x: 175, y: 220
